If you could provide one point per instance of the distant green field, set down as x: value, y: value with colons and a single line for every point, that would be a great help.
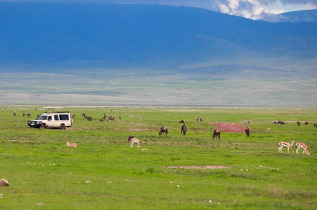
x: 209, y: 84
x: 103, y: 172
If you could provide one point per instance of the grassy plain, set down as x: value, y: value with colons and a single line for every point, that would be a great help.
x: 105, y: 173
x: 282, y: 85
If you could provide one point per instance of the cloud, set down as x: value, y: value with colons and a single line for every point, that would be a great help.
x: 252, y: 9
x: 289, y: 1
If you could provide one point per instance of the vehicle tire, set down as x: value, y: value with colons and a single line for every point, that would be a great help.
x: 62, y: 127
x: 42, y: 126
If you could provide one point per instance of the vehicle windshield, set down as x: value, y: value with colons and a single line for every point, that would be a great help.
x: 41, y: 117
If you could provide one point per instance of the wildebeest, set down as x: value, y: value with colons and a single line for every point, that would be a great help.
x: 133, y: 140
x: 23, y: 114
x: 14, y: 113
x: 181, y: 121
x: 281, y: 122
x: 201, y: 119
x: 163, y: 130
x: 216, y: 133
x: 83, y: 115
x: 298, y: 123
x: 196, y: 119
x: 306, y: 123
x: 315, y: 125
x: 89, y: 118
x: 119, y: 117
x: 73, y: 115
x: 184, y: 129
x: 28, y: 115
x: 247, y: 131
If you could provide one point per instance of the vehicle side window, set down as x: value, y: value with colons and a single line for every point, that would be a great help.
x: 49, y: 118
x: 63, y: 117
x: 56, y: 117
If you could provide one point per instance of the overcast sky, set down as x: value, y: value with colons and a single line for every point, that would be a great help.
x: 254, y: 9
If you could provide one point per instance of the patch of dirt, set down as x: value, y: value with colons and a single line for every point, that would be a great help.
x: 138, y: 129
x: 230, y: 127
x: 200, y: 167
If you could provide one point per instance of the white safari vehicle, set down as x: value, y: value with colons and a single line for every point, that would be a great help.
x: 59, y: 120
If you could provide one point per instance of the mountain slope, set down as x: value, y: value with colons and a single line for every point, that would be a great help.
x: 54, y: 34
x: 297, y: 16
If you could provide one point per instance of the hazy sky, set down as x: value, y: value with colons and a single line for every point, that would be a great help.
x: 254, y: 9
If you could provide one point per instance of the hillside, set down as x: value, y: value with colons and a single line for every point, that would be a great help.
x: 296, y: 16
x: 112, y: 35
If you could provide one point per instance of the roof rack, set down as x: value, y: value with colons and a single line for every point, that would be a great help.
x: 57, y: 112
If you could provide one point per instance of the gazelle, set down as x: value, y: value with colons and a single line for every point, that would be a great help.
x: 134, y: 140
x: 71, y: 144
x: 285, y: 144
x: 301, y: 145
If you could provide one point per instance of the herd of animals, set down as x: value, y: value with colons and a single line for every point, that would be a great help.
x: 299, y: 145
x: 164, y: 130
x: 216, y: 132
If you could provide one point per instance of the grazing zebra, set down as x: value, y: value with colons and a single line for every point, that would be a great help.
x: 111, y: 118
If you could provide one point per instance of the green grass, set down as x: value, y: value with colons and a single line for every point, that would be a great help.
x: 105, y: 173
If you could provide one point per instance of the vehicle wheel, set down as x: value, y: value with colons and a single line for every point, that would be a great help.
x: 42, y: 127
x: 62, y: 127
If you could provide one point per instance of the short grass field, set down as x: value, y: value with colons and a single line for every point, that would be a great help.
x: 104, y: 172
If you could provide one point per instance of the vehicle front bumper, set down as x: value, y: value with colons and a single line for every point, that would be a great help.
x: 35, y: 124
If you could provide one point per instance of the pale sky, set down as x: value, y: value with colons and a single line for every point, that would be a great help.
x: 254, y: 9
